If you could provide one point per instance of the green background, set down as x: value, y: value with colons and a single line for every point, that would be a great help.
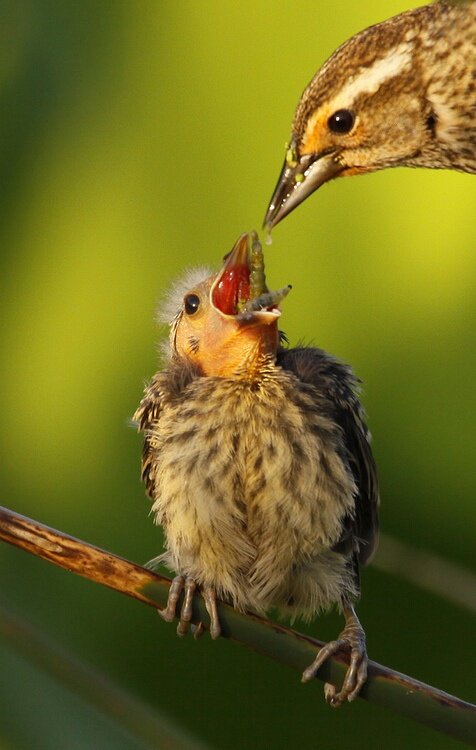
x: 137, y: 138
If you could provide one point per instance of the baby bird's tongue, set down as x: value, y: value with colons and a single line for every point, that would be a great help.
x: 240, y: 287
x: 232, y: 288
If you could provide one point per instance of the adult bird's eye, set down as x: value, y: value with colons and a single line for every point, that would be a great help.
x: 192, y: 303
x: 341, y: 121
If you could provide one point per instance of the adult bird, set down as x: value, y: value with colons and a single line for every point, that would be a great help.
x: 258, y: 462
x: 401, y: 93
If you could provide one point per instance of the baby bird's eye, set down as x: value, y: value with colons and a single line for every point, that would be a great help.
x: 341, y: 121
x: 192, y: 303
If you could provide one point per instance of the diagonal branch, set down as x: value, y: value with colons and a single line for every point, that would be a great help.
x: 385, y: 687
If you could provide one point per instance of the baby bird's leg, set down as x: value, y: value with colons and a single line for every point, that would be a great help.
x: 210, y: 599
x: 351, y: 639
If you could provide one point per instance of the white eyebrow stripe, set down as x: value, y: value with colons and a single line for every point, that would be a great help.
x: 369, y: 80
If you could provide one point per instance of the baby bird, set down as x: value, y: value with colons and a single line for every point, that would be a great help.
x: 258, y: 463
x: 401, y: 93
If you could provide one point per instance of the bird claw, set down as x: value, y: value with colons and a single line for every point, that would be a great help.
x: 186, y: 611
x: 197, y: 630
x: 351, y: 639
x: 169, y: 612
x: 211, y: 604
x: 188, y: 586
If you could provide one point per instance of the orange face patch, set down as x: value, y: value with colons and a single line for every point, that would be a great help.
x: 316, y: 136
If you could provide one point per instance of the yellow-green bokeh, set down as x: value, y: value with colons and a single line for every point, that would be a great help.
x: 137, y: 139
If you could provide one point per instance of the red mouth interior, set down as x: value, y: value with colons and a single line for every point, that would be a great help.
x: 233, y: 287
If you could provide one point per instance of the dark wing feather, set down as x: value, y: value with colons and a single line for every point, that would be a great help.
x: 146, y: 417
x: 337, y: 384
x: 166, y: 386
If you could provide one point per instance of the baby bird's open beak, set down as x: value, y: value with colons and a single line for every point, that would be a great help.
x: 239, y: 290
x: 238, y: 332
x: 299, y: 177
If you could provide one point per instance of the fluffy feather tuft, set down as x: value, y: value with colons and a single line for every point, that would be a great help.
x: 171, y: 303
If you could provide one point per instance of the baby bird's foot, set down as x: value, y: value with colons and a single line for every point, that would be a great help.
x: 351, y: 639
x: 210, y: 599
x: 188, y: 586
x: 179, y: 584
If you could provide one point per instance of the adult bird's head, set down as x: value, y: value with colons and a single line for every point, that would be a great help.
x: 227, y: 323
x: 398, y: 93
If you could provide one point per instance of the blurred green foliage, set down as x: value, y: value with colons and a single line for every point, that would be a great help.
x: 136, y: 139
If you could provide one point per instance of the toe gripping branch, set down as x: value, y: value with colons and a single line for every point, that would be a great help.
x: 189, y: 586
x: 352, y: 639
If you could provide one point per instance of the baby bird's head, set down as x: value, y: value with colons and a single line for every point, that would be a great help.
x: 366, y: 109
x: 226, y: 323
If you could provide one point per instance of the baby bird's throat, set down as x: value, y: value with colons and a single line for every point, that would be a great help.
x: 242, y: 354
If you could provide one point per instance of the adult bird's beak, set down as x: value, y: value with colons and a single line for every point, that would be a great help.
x: 299, y: 177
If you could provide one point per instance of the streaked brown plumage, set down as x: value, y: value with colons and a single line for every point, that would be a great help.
x: 401, y: 93
x: 258, y: 463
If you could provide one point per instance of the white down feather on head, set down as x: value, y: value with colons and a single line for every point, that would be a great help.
x: 171, y: 304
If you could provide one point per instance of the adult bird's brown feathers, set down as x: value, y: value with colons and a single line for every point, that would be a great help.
x: 258, y: 462
x: 400, y: 93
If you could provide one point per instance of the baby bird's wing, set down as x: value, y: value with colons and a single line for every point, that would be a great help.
x: 364, y: 526
x: 146, y: 418
x: 336, y: 383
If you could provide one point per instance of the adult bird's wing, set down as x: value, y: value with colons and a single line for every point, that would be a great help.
x: 336, y: 383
